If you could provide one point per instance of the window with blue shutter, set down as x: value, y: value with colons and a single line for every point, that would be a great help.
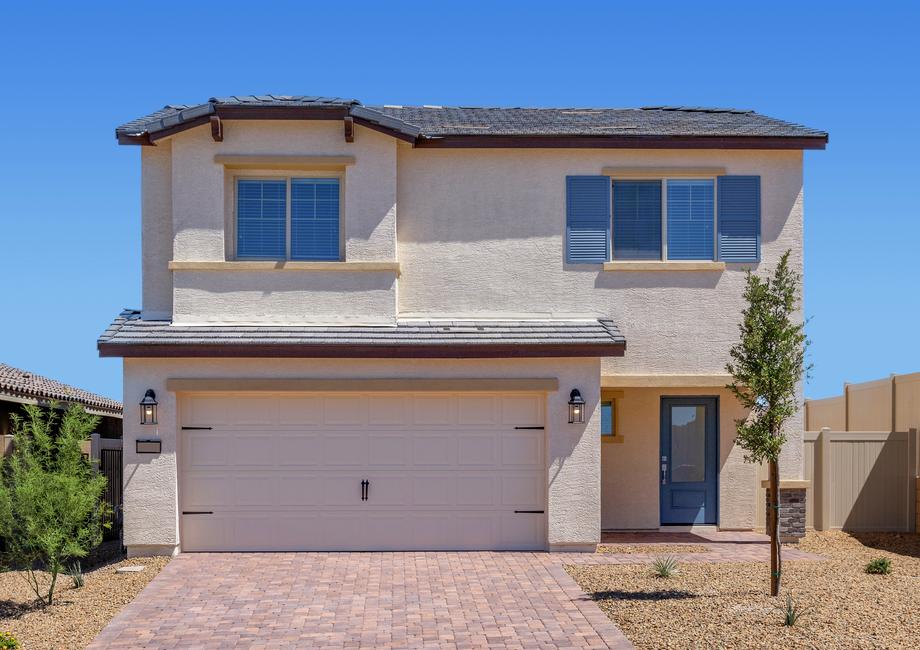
x: 739, y: 218
x: 637, y: 220
x: 691, y: 217
x: 261, y: 219
x: 587, y: 210
x: 314, y: 218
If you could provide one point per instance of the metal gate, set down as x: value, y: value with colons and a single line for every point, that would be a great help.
x: 111, y: 467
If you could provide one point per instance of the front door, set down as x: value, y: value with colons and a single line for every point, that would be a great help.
x: 687, y: 471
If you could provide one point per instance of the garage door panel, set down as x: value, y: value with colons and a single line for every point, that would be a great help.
x: 205, y: 449
x: 523, y: 410
x: 521, y: 491
x: 345, y: 449
x: 251, y: 449
x: 203, y: 491
x: 477, y: 409
x: 433, y: 449
x: 446, y: 471
x: 476, y: 490
x: 388, y: 410
x: 522, y: 448
x: 255, y: 490
x: 477, y: 449
x: 300, y: 490
x: 521, y: 530
x: 299, y: 449
x: 392, y: 450
x: 432, y: 410
x: 345, y: 410
x: 300, y: 410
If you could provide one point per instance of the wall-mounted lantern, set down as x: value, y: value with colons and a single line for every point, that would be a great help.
x: 576, y: 407
x: 149, y: 407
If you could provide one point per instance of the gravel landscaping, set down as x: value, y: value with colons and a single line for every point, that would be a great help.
x: 726, y: 605
x: 77, y: 615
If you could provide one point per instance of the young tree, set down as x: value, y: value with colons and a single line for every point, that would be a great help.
x: 51, y: 507
x: 767, y: 364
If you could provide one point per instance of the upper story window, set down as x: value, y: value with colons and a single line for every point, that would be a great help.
x: 672, y: 219
x: 662, y: 219
x: 290, y: 218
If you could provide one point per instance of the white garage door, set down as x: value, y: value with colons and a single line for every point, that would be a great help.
x: 288, y: 472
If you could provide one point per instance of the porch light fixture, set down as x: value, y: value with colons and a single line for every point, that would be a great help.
x: 576, y: 407
x: 149, y: 407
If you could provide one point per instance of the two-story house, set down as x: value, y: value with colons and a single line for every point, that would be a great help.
x: 388, y: 327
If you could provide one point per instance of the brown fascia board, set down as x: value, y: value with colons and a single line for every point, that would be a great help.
x: 621, y: 142
x: 466, y: 351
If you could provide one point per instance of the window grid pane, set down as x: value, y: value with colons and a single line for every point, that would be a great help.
x: 637, y: 220
x: 315, y: 219
x: 607, y: 419
x: 261, y: 208
x: 691, y: 217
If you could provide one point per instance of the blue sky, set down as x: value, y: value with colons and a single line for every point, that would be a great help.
x: 69, y: 216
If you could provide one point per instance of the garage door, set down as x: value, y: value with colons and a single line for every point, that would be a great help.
x: 344, y: 471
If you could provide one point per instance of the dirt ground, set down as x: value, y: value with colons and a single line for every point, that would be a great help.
x: 77, y: 615
x: 727, y: 606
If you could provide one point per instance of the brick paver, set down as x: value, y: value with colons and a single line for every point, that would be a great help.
x: 393, y: 600
x: 363, y: 600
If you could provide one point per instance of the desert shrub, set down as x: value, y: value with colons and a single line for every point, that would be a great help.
x: 879, y: 566
x: 665, y: 567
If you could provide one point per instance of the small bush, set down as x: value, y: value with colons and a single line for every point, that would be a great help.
x: 792, y: 611
x: 879, y: 566
x: 75, y: 571
x: 665, y: 567
x: 8, y: 641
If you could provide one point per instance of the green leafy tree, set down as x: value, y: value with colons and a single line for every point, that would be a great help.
x: 51, y: 506
x: 767, y: 364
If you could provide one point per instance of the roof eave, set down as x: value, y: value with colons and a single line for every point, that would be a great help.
x: 366, y: 351
x: 480, y: 141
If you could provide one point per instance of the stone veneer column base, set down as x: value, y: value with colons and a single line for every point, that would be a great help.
x: 791, y: 509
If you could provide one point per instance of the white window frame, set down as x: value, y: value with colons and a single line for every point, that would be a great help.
x: 663, y: 256
x: 230, y: 225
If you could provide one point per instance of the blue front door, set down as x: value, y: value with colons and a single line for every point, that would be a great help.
x: 688, y: 466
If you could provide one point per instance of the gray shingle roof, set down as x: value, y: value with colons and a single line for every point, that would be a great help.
x: 433, y: 122
x: 22, y: 383
x: 130, y: 330
x: 646, y: 121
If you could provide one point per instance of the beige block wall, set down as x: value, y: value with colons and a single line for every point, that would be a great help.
x: 630, y: 470
x: 869, y: 406
x: 573, y: 451
x: 828, y: 412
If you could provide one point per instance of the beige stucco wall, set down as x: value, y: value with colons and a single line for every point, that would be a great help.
x: 201, y: 207
x: 869, y: 405
x: 156, y: 229
x: 573, y: 467
x: 828, y: 412
x: 629, y: 470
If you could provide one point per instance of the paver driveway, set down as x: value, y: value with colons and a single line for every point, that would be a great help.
x: 351, y: 600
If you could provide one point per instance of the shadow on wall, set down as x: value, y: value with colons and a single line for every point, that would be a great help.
x: 882, y: 502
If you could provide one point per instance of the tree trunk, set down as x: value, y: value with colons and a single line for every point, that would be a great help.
x: 776, y: 558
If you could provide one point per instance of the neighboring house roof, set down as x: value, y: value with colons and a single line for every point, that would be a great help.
x: 436, y: 126
x: 131, y: 336
x: 23, y: 384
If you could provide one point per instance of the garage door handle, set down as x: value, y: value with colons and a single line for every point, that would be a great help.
x: 197, y: 512
x: 364, y: 486
x: 528, y: 512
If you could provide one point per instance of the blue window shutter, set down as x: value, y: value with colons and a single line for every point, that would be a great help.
x: 260, y: 219
x: 587, y: 217
x: 315, y: 219
x: 637, y: 220
x: 691, y: 219
x: 739, y: 218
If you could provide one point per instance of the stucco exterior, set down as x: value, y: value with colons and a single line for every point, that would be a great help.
x: 479, y: 233
x: 573, y: 472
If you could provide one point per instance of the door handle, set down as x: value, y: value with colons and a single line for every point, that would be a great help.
x: 364, y: 490
x: 367, y: 490
x: 664, y: 470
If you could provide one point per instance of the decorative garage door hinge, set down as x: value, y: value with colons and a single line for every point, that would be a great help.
x: 196, y: 428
